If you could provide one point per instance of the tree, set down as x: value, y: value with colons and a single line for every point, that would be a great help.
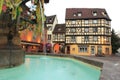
x: 115, y: 41
x: 14, y: 14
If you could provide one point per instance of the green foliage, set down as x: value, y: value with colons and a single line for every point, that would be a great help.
x: 1, y: 3
x: 115, y: 41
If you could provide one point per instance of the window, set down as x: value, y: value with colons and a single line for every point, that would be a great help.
x: 59, y: 29
x: 86, y: 21
x: 55, y: 37
x: 107, y: 39
x: 95, y: 21
x: 73, y: 39
x: 107, y: 22
x: 50, y: 28
x: 72, y: 30
x: 95, y: 30
x: 67, y: 40
x: 86, y: 29
x: 50, y: 20
x: 83, y: 48
x: 61, y: 36
x: 104, y: 13
x: 73, y: 22
x: 49, y: 37
x: 79, y: 14
x: 86, y: 38
x: 99, y: 50
x: 67, y: 30
x: 95, y: 38
x: 74, y: 14
x: 107, y: 30
x: 94, y: 13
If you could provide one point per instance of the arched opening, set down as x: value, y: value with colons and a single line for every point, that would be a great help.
x: 56, y: 48
x: 48, y: 47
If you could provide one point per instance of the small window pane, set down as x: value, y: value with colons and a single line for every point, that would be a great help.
x: 86, y: 29
x: 94, y: 13
x: 79, y: 14
x: 83, y: 48
x: 86, y: 38
x: 95, y: 38
x: 95, y: 30
x: 72, y: 30
x: 86, y: 21
x: 95, y: 21
x: 73, y: 22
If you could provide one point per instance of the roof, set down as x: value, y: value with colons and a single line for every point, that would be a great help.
x: 86, y: 13
x: 59, y: 28
x: 50, y: 19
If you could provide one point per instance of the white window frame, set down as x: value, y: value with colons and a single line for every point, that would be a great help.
x: 94, y: 13
x: 86, y: 29
x: 73, y: 22
x: 95, y: 38
x: 95, y: 21
x: 86, y: 21
x: 83, y: 49
x: 79, y: 14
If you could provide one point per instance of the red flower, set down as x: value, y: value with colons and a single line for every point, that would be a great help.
x: 4, y: 8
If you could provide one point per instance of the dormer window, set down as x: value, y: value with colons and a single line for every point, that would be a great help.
x: 59, y: 29
x: 94, y: 13
x: 79, y: 14
x: 50, y: 20
x: 104, y: 13
x: 74, y: 14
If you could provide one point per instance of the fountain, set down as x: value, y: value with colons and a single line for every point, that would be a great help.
x: 11, y: 14
x: 10, y: 50
x: 11, y: 53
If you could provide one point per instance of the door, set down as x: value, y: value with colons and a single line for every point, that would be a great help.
x: 68, y: 49
x: 92, y: 50
x: 107, y: 51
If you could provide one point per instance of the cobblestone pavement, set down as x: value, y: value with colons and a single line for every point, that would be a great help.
x: 111, y: 67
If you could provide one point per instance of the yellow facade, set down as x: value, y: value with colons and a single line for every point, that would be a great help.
x: 105, y: 50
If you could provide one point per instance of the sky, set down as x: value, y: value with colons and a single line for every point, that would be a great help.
x: 58, y: 7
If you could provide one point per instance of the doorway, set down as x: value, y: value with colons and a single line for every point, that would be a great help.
x: 107, y: 51
x: 68, y: 49
x: 92, y: 50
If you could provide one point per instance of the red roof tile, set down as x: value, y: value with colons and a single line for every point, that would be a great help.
x: 86, y: 13
x: 59, y: 28
x: 50, y: 19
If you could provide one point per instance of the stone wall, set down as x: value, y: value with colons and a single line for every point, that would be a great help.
x: 92, y: 62
x: 11, y: 58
